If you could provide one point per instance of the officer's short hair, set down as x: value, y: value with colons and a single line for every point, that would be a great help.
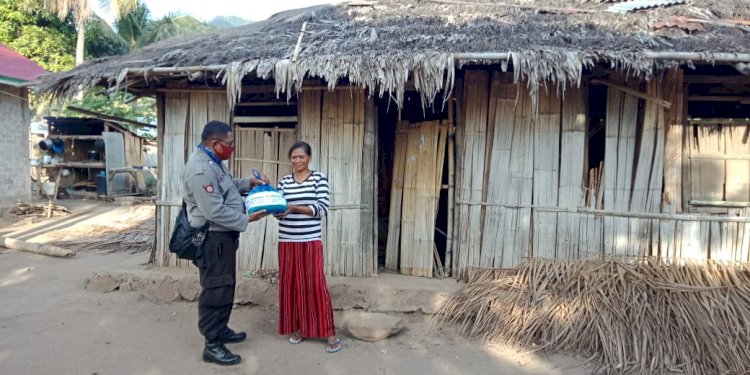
x: 215, y: 130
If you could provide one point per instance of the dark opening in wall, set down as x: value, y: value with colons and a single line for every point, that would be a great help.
x: 597, y: 108
x: 388, y: 117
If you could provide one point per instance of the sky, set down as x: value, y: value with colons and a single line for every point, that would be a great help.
x: 253, y: 10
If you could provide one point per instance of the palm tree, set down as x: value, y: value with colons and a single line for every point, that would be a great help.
x: 133, y: 25
x: 82, y: 13
x: 139, y: 29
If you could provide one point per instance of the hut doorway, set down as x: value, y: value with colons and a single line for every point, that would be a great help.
x: 412, y: 186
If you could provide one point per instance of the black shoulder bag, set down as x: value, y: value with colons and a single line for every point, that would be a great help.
x: 187, y: 241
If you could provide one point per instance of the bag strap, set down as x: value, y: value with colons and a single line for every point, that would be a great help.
x: 187, y: 217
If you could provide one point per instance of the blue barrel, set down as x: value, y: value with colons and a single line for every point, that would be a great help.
x: 101, y: 183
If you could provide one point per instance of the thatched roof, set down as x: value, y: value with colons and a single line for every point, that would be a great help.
x: 383, y: 44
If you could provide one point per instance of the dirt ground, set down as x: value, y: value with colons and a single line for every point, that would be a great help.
x: 50, y: 325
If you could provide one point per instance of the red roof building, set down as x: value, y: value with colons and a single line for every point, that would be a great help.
x: 16, y: 69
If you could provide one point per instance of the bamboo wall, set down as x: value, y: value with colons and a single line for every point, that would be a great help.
x: 524, y: 188
x: 340, y: 127
x: 522, y: 183
x: 180, y: 123
x: 264, y: 149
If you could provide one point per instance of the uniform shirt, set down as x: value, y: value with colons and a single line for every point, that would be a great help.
x: 313, y: 193
x: 212, y: 194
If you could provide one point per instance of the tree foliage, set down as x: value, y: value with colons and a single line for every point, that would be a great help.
x: 173, y: 26
x: 139, y: 29
x: 119, y: 104
x: 102, y: 41
x: 38, y: 35
x: 45, y: 32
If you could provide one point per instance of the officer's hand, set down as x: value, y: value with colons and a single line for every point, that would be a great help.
x: 263, y: 180
x: 257, y: 215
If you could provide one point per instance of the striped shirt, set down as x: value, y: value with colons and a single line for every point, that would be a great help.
x: 313, y: 193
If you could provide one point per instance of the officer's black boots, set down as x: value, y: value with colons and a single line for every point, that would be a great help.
x: 217, y: 353
x: 231, y: 337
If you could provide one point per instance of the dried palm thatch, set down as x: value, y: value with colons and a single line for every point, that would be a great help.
x: 383, y: 44
x: 138, y: 238
x: 28, y: 209
x: 643, y: 315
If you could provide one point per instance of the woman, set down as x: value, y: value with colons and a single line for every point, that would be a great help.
x: 305, y: 309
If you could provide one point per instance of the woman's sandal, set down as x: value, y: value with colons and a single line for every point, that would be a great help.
x: 334, y: 347
x: 295, y: 339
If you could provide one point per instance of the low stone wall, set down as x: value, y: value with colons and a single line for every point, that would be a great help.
x: 385, y: 293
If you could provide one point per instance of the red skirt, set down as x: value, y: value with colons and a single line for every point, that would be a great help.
x: 304, y: 299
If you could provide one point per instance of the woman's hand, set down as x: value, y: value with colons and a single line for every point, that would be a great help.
x: 289, y: 210
x: 257, y: 215
x: 299, y: 209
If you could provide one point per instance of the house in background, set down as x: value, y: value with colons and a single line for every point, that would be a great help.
x: 97, y: 156
x: 463, y: 134
x: 15, y: 71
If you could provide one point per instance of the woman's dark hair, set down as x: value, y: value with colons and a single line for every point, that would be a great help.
x: 303, y: 145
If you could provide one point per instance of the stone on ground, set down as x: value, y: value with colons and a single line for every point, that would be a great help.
x: 373, y: 326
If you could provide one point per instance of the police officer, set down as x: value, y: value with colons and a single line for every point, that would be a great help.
x: 213, y: 195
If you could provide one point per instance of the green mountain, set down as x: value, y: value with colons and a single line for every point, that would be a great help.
x: 172, y: 26
x: 226, y: 22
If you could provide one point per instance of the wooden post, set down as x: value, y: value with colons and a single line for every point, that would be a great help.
x: 686, y: 142
x: 458, y: 143
x: 160, y: 113
x: 299, y: 42
x: 368, y: 230
x: 372, y: 116
x: 35, y: 248
x: 451, y: 188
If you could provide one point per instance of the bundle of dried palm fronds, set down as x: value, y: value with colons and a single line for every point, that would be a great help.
x: 28, y: 209
x: 644, y: 315
x: 139, y: 237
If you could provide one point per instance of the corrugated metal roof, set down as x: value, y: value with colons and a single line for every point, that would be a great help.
x: 13, y: 65
x: 631, y: 6
x: 683, y: 23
